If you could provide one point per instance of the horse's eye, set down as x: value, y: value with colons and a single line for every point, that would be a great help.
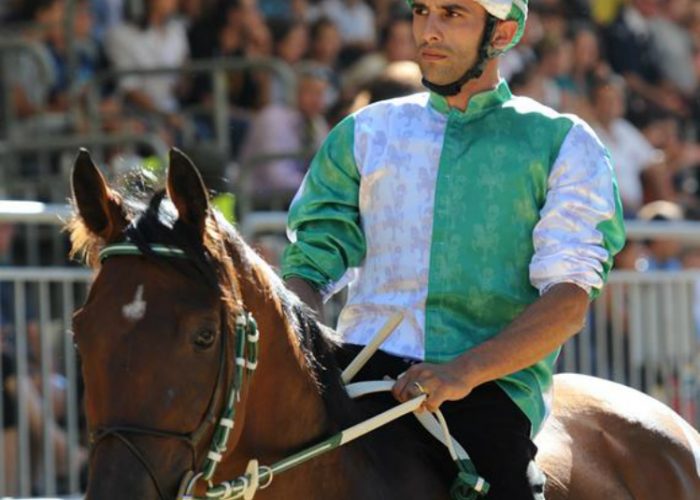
x: 204, y: 339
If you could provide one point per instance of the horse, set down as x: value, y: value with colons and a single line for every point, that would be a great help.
x: 176, y: 288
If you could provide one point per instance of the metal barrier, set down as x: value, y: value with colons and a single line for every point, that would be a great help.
x: 44, y: 184
x: 39, y: 303
x: 644, y: 332
x: 38, y: 224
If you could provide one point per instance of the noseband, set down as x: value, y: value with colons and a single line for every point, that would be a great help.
x: 245, y: 363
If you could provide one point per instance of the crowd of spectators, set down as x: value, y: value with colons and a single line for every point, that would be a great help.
x: 630, y: 68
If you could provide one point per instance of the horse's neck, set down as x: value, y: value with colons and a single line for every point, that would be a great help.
x: 284, y: 412
x: 282, y: 394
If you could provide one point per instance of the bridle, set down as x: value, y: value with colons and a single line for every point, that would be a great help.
x: 245, y: 363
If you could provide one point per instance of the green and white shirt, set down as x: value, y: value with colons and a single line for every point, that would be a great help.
x: 459, y: 220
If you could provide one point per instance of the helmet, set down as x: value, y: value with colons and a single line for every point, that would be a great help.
x: 515, y: 10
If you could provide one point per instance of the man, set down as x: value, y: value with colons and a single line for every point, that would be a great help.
x: 488, y: 220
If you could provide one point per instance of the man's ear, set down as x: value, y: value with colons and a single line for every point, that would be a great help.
x: 98, y: 206
x: 503, y: 34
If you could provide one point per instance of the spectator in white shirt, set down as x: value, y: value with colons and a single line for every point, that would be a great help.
x: 152, y: 40
x: 639, y: 167
x: 354, y: 19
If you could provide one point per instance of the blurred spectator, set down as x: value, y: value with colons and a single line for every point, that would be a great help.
x: 32, y: 81
x: 637, y: 164
x: 673, y: 45
x: 226, y: 30
x: 397, y: 44
x: 152, y: 38
x: 107, y: 14
x: 354, y: 19
x: 280, y: 129
x: 634, y: 54
x: 587, y: 66
x: 633, y: 257
x: 664, y: 254
x: 550, y: 53
x: 398, y: 79
x: 665, y: 132
x: 290, y: 9
x: 604, y: 12
x: 325, y: 45
x: 290, y: 43
x: 516, y: 59
x: 290, y: 39
x: 553, y: 17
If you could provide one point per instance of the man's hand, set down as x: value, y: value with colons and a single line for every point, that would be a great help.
x: 541, y: 328
x: 440, y: 383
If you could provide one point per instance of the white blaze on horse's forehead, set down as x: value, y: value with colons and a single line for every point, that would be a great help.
x: 135, y: 310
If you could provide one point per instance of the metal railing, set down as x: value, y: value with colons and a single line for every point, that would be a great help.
x: 42, y: 303
x: 644, y: 332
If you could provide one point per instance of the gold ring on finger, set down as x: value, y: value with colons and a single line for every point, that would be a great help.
x: 420, y: 388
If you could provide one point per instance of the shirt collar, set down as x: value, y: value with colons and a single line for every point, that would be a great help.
x: 477, y: 104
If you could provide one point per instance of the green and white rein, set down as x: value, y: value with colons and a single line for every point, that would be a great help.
x: 468, y: 485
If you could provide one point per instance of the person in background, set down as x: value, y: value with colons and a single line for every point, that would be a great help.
x: 152, y: 38
x: 396, y: 44
x: 664, y: 254
x: 637, y: 164
x: 324, y: 50
x: 355, y: 21
x: 281, y: 129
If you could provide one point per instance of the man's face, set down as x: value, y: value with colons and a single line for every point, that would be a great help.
x: 609, y: 103
x: 447, y: 34
x: 399, y: 44
x: 311, y: 96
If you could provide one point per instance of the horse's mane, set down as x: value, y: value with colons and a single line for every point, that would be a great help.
x: 212, y: 260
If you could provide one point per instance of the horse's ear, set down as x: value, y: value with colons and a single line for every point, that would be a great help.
x: 98, y: 206
x: 187, y: 190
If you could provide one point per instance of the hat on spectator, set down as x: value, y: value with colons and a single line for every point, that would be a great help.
x: 511, y: 10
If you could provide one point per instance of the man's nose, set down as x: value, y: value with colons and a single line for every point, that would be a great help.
x: 432, y: 32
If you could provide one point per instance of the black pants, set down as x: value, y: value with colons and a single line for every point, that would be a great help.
x: 491, y: 428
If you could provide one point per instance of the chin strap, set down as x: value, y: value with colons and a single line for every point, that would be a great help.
x: 486, y: 52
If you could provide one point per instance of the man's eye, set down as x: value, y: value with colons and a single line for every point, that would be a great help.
x: 420, y: 11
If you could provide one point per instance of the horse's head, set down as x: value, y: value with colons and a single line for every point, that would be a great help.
x: 154, y: 333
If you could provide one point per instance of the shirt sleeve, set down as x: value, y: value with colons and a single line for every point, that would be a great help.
x: 580, y: 227
x: 324, y: 220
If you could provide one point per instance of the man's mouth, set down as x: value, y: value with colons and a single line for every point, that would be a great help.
x: 432, y: 55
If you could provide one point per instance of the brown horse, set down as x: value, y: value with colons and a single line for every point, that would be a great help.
x: 156, y: 336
